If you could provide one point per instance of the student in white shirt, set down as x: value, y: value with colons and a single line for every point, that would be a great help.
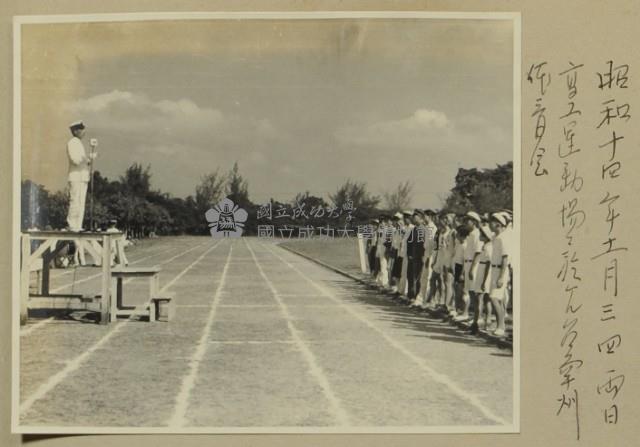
x: 426, y: 259
x: 435, y: 279
x: 446, y: 253
x: 457, y: 266
x: 509, y: 238
x: 471, y: 257
x: 426, y: 282
x: 500, y: 259
x: 482, y: 314
x: 408, y: 228
x: 381, y: 253
x: 372, y: 245
x: 396, y: 245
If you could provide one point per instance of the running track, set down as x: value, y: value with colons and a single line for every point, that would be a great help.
x: 261, y: 338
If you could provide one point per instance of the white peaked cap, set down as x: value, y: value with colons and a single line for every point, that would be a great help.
x: 76, y: 124
x: 475, y: 216
x: 500, y: 218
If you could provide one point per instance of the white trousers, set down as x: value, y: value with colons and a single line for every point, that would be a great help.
x: 77, y: 198
x: 383, y: 275
x: 425, y: 283
x: 403, y: 284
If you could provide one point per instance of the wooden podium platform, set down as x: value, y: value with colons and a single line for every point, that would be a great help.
x: 98, y: 244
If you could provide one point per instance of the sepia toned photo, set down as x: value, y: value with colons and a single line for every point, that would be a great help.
x: 267, y: 223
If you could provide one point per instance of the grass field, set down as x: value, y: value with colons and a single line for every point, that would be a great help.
x: 341, y: 253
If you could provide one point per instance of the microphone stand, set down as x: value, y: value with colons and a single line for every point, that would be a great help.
x: 93, y: 147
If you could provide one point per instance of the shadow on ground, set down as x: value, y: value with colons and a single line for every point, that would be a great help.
x: 400, y: 315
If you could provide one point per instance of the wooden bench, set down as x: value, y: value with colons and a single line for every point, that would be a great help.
x: 118, y: 309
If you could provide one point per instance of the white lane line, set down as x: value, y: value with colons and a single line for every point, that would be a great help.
x: 438, y: 377
x: 313, y: 306
x: 252, y: 342
x: 27, y: 331
x: 178, y: 419
x: 194, y: 305
x: 300, y: 295
x: 74, y: 364
x: 286, y: 342
x: 36, y: 326
x: 249, y: 306
x: 338, y: 411
x: 258, y: 306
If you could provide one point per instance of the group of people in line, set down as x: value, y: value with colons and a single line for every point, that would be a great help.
x: 460, y: 264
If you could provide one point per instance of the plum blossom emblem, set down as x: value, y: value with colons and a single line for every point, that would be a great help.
x: 226, y: 219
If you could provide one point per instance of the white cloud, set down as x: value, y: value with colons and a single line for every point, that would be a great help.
x: 468, y: 139
x: 426, y: 147
x: 140, y: 120
x: 428, y: 119
x: 177, y: 137
x: 421, y: 125
x: 132, y: 112
x: 100, y: 102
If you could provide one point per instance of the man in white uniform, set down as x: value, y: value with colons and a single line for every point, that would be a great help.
x: 78, y: 176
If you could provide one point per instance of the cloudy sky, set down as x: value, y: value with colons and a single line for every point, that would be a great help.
x: 300, y: 105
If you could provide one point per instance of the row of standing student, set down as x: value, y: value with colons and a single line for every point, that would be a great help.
x: 439, y: 260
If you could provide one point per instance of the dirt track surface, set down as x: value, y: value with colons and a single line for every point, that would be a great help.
x: 261, y: 338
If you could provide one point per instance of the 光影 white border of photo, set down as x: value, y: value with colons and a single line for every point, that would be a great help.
x: 18, y: 21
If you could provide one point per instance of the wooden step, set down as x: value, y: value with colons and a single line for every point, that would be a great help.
x: 162, y: 308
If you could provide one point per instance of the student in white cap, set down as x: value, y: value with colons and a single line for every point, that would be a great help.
x: 509, y: 238
x: 446, y: 253
x: 78, y: 176
x: 437, y: 289
x: 500, y: 259
x: 415, y: 256
x: 427, y: 287
x: 481, y: 286
x: 372, y: 247
x: 407, y: 229
x: 457, y: 265
x: 472, y: 252
x: 381, y: 253
x: 396, y: 244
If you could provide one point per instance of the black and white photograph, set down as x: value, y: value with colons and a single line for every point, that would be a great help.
x: 266, y: 223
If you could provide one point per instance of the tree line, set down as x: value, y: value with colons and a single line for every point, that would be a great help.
x: 142, y: 211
